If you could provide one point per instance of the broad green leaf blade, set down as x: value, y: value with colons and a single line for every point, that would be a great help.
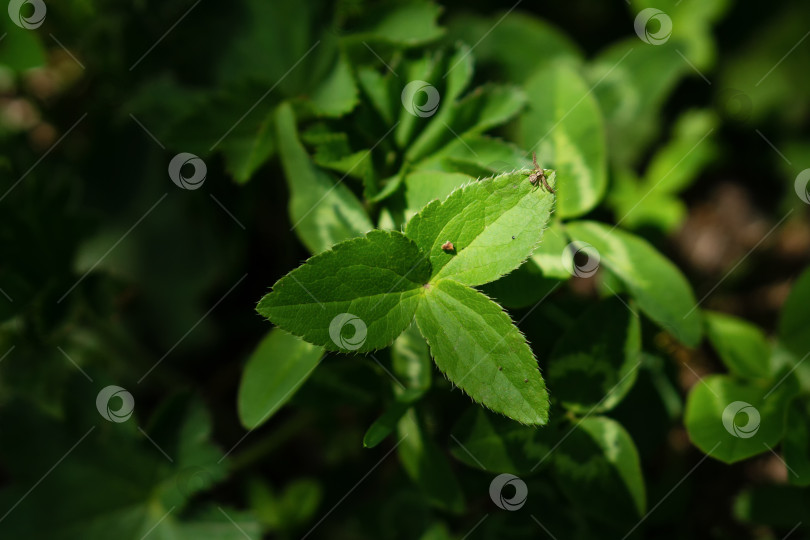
x: 276, y: 369
x: 742, y: 346
x: 487, y: 155
x: 337, y: 94
x: 494, y: 224
x: 660, y: 289
x: 796, y: 446
x: 428, y: 466
x: 513, y: 42
x: 482, y: 109
x: 245, y: 155
x: 410, y: 361
x: 734, y: 420
x: 359, y: 296
x: 549, y: 255
x: 322, y: 213
x: 599, y: 468
x: 793, y: 332
x: 421, y: 187
x: 382, y: 91
x: 493, y: 443
x: 564, y: 126
x: 475, y: 344
x: 410, y: 24
x: 595, y: 362
x: 631, y: 81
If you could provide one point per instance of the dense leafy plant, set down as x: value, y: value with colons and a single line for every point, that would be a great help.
x: 390, y: 145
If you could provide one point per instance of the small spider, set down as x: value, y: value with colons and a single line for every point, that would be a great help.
x: 448, y: 247
x: 539, y: 175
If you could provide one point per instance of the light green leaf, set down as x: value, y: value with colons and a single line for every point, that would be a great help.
x: 595, y: 362
x: 410, y: 24
x: 741, y: 345
x: 475, y: 344
x: 358, y: 296
x: 564, y: 126
x: 496, y: 444
x: 421, y: 187
x: 410, y: 361
x: 660, y: 289
x: 598, y: 467
x: 514, y: 42
x: 476, y: 155
x: 482, y: 109
x: 548, y: 256
x: 337, y: 94
x: 323, y: 213
x: 494, y: 225
x: 426, y: 69
x: 427, y: 466
x: 734, y: 420
x: 631, y: 80
x: 276, y: 369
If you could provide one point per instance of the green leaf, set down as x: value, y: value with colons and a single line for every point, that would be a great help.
x: 482, y: 109
x: 795, y: 314
x: 660, y: 289
x: 427, y: 466
x: 513, y: 42
x: 494, y: 225
x: 796, y: 446
x: 358, y: 296
x: 410, y: 361
x: 323, y: 213
x: 741, y: 345
x: 276, y: 369
x: 548, y: 256
x: 493, y: 443
x: 421, y: 187
x: 410, y: 24
x: 595, y: 362
x: 480, y: 153
x: 631, y: 82
x: 734, y: 420
x: 20, y: 49
x: 385, y: 424
x: 337, y: 94
x: 564, y: 125
x: 475, y: 344
x: 598, y: 468
x: 381, y: 90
